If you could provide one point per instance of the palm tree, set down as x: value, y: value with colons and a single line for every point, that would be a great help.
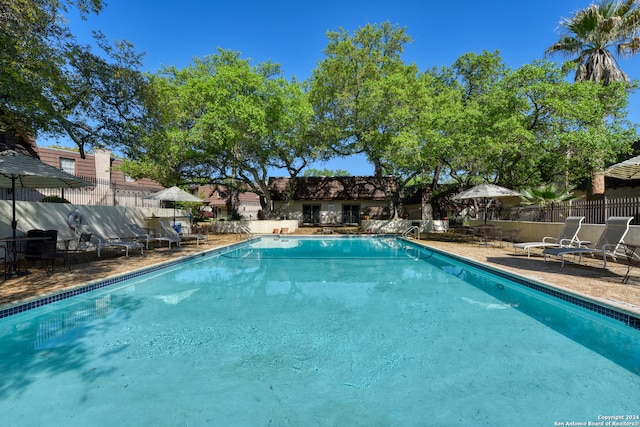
x: 590, y: 34
x: 546, y: 196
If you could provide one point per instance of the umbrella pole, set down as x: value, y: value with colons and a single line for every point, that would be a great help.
x: 14, y: 224
x: 486, y: 209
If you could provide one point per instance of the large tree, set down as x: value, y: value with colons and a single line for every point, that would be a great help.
x: 223, y: 120
x: 529, y: 126
x: 588, y: 38
x: 52, y: 85
x: 365, y: 97
x: 591, y: 33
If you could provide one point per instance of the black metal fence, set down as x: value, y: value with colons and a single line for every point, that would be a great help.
x: 594, y: 211
x: 106, y: 193
x: 103, y: 193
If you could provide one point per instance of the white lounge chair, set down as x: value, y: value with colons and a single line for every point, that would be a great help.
x: 171, y: 233
x: 101, y: 241
x: 612, y: 237
x: 568, y: 237
x: 142, y: 235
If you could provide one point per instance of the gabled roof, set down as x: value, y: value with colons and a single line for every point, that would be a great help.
x: 329, y: 188
x: 220, y: 195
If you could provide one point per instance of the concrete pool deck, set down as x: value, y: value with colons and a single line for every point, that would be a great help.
x: 588, y: 279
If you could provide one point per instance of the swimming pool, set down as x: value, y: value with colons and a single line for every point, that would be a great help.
x: 330, y: 331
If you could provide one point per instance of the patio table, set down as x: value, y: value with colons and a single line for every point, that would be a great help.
x: 13, y: 247
x: 488, y: 232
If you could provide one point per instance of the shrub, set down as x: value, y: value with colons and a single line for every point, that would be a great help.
x: 54, y: 199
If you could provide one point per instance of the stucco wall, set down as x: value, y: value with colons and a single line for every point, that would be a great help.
x: 111, y: 220
x: 535, y: 231
x: 106, y: 220
x: 256, y: 227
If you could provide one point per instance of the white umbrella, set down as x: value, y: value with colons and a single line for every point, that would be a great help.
x: 174, y: 194
x: 486, y: 191
x: 629, y: 169
x: 20, y: 171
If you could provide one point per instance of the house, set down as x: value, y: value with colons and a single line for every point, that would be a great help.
x: 113, y: 187
x: 219, y: 203
x: 99, y: 165
x: 329, y: 200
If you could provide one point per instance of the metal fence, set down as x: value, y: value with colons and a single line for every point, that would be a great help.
x: 594, y: 211
x: 106, y: 193
x: 103, y: 193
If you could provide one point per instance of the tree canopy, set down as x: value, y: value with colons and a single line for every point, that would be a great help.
x: 223, y: 119
x: 52, y: 85
x: 589, y: 35
x: 366, y: 98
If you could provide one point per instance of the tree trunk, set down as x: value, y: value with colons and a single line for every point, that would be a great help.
x: 597, y: 183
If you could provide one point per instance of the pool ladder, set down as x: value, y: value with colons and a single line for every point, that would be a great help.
x: 414, y: 228
x: 243, y: 229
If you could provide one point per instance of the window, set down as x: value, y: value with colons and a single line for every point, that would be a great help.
x: 68, y: 165
x: 351, y: 214
x: 311, y: 214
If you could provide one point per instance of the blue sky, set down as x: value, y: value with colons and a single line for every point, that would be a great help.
x: 293, y: 33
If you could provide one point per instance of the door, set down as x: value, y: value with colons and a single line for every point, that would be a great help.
x: 351, y: 214
x: 311, y: 214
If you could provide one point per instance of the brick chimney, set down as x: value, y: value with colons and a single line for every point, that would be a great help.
x: 102, y: 158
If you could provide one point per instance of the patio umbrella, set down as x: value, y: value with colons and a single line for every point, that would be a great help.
x: 21, y: 171
x: 174, y: 194
x: 629, y: 169
x: 486, y: 191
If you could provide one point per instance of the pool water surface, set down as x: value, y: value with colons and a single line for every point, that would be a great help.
x: 330, y: 331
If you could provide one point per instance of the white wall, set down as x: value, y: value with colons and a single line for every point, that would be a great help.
x: 535, y: 231
x: 111, y: 220
x: 107, y: 220
x: 256, y: 227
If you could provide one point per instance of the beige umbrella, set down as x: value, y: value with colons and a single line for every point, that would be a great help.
x: 486, y: 192
x: 629, y: 169
x: 174, y: 194
x: 20, y: 171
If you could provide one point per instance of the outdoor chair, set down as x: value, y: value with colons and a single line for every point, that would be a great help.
x: 568, y: 237
x: 142, y: 234
x: 608, y: 243
x: 82, y: 246
x: 43, y: 248
x: 173, y: 235
x: 4, y: 251
x: 101, y: 241
x: 462, y: 234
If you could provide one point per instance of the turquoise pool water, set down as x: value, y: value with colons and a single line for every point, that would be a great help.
x: 328, y: 331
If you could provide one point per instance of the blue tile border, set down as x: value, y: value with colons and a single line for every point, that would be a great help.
x: 26, y: 306
x: 626, y: 318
